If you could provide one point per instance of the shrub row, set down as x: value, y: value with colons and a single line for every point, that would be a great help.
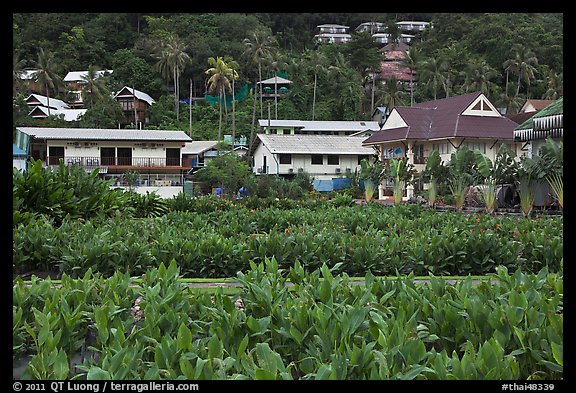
x: 380, y: 239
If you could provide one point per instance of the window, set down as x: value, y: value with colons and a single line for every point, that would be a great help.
x: 442, y: 148
x: 477, y: 146
x: 317, y: 159
x: 362, y: 157
x: 285, y: 158
x: 333, y: 159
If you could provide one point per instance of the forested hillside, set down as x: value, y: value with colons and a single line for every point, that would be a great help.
x: 508, y: 56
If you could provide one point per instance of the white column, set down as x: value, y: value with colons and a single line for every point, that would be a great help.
x: 410, y: 159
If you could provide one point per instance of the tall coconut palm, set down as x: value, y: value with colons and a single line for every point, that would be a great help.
x: 522, y: 64
x: 277, y: 62
x: 317, y: 62
x: 233, y: 74
x: 410, y: 61
x: 555, y: 85
x: 218, y: 83
x: 94, y: 87
x: 393, y: 93
x: 258, y: 46
x: 17, y: 70
x: 46, y: 73
x: 172, y: 59
x: 478, y: 75
x: 433, y: 71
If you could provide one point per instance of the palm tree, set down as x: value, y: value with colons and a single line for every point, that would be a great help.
x: 172, y: 59
x: 218, y: 83
x: 94, y: 87
x: 277, y: 61
x: 46, y: 73
x: 317, y: 61
x: 555, y: 85
x: 433, y: 71
x: 232, y: 67
x: 510, y: 100
x: 412, y: 58
x: 393, y: 93
x: 512, y: 65
x: 522, y: 64
x: 17, y: 69
x: 477, y: 75
x: 259, y: 46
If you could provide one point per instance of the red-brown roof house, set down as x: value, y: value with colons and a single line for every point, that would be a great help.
x: 443, y: 125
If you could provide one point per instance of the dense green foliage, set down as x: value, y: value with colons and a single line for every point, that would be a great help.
x: 323, y: 327
x: 219, y: 238
x: 508, y: 56
x: 61, y: 193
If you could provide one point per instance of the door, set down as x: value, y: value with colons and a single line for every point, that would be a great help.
x: 55, y: 154
x: 124, y: 155
x: 172, y: 157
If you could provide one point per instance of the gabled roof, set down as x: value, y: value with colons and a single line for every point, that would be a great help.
x: 532, y: 105
x: 69, y: 114
x: 547, y: 122
x: 37, y: 99
x: 51, y: 133
x: 77, y: 76
x: 128, y: 91
x: 319, y: 125
x: 312, y: 144
x: 274, y: 80
x: 469, y: 115
x: 197, y: 147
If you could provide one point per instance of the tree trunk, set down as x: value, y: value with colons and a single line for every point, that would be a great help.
x: 233, y: 112
x: 314, y: 99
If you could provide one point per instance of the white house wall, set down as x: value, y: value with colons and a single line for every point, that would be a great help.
x: 394, y: 120
x: 304, y: 162
x: 94, y: 150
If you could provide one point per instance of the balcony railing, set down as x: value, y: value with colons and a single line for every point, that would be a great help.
x: 122, y: 161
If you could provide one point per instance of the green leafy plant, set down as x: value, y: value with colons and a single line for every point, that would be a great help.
x: 527, y: 196
x: 556, y: 182
x: 458, y: 189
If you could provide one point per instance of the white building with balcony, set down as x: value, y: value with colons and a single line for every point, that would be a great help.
x: 323, y: 157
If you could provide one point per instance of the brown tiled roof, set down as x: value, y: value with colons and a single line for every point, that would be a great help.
x: 443, y: 119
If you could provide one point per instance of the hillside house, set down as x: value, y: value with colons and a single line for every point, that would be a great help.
x: 315, y: 127
x: 332, y: 34
x: 444, y: 125
x: 548, y: 122
x: 323, y: 157
x: 75, y: 81
x: 135, y: 105
x: 156, y: 155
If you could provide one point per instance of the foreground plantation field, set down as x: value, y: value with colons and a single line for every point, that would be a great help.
x: 122, y: 309
x: 320, y: 328
x: 220, y: 238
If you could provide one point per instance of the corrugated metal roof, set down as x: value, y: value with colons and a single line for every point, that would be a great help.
x: 44, y: 101
x: 197, y: 147
x: 140, y: 95
x: 317, y: 125
x: 105, y: 134
x: 69, y: 114
x: 74, y: 76
x: 314, y: 144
